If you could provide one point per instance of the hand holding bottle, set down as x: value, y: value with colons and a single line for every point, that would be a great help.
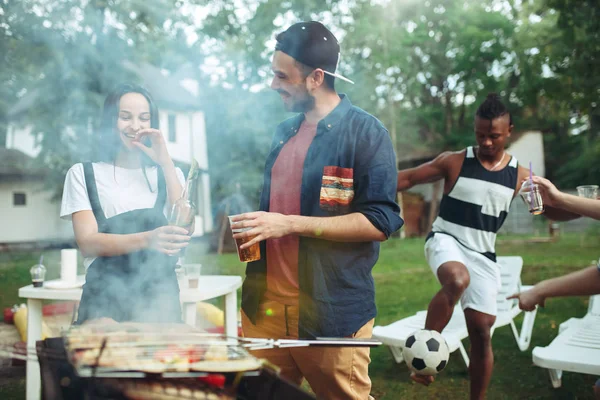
x: 182, y: 214
x: 169, y: 239
x: 183, y: 211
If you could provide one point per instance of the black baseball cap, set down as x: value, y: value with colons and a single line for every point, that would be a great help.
x: 312, y: 44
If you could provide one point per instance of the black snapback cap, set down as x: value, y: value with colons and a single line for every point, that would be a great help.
x: 312, y: 44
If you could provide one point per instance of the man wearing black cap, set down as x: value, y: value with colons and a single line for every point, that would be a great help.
x: 328, y: 200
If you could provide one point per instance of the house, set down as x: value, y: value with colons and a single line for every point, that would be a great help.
x: 421, y: 202
x: 28, y: 208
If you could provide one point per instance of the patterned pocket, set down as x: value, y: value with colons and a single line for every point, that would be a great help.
x: 337, y: 189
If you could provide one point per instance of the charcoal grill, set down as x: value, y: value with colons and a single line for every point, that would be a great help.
x: 64, y: 379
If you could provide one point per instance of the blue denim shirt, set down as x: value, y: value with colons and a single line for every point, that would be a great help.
x: 337, y: 292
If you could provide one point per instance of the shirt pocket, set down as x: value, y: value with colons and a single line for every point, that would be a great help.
x: 337, y: 189
x: 494, y: 203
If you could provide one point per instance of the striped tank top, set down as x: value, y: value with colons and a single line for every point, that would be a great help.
x: 477, y: 205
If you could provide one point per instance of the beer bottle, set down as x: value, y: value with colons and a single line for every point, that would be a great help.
x: 184, y: 210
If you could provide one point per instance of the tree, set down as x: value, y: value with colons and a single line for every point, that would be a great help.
x: 421, y: 67
x: 428, y: 63
x: 556, y: 87
x: 77, y: 51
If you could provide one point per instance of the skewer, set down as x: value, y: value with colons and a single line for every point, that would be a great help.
x: 201, y: 341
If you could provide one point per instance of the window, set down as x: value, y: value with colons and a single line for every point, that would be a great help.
x: 19, y: 199
x: 172, y: 129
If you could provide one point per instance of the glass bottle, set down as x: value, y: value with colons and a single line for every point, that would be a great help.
x: 184, y: 210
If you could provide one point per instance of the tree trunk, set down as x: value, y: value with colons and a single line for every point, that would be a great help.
x: 448, y: 107
x: 463, y: 109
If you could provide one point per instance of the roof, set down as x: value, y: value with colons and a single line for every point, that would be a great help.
x: 16, y: 163
x: 165, y: 89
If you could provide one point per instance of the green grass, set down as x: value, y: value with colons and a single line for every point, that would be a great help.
x: 404, y: 285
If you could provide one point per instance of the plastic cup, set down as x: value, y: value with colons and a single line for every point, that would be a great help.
x: 588, y: 191
x: 530, y: 193
x: 249, y: 254
x: 192, y: 273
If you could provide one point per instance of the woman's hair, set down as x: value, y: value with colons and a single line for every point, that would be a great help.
x: 108, y: 141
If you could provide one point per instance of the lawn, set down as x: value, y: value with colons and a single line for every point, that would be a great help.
x: 404, y: 285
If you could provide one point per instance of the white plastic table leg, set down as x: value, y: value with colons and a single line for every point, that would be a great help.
x: 189, y: 313
x: 34, y: 333
x: 231, y: 325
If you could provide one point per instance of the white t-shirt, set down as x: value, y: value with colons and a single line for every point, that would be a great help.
x: 119, y: 190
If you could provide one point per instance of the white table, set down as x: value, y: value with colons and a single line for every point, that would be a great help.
x: 208, y: 287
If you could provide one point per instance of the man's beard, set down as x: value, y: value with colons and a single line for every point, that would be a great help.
x: 300, y: 102
x: 303, y: 104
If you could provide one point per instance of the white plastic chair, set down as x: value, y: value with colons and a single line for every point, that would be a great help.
x: 395, y: 334
x: 508, y: 310
x: 575, y: 349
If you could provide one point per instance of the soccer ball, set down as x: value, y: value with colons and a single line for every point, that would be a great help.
x: 426, y: 352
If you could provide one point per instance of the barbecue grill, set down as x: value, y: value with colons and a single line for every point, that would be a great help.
x: 142, y: 361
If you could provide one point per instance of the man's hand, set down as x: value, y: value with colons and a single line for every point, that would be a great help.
x: 264, y: 225
x: 529, y: 299
x: 422, y: 379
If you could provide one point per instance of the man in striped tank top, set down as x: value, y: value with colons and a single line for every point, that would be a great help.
x: 479, y: 185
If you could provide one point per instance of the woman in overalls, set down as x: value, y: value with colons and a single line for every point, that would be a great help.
x: 118, y: 205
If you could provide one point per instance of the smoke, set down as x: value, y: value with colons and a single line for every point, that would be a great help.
x: 65, y: 57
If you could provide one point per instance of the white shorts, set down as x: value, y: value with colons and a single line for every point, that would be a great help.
x: 484, y: 274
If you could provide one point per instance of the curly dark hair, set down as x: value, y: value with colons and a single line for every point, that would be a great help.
x: 492, y: 108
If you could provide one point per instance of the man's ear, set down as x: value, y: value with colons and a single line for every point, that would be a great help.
x: 510, y: 129
x: 317, y: 78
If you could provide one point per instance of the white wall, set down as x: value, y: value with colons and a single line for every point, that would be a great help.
x: 20, y: 138
x: 200, y: 149
x: 530, y: 147
x: 191, y: 143
x: 425, y: 190
x: 180, y: 150
x: 38, y: 220
x: 200, y: 153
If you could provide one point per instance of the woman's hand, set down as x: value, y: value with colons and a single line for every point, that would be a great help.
x: 169, y: 239
x: 550, y: 194
x: 530, y: 299
x: 158, y: 149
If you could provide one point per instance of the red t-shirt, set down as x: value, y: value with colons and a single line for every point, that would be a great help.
x: 286, y: 183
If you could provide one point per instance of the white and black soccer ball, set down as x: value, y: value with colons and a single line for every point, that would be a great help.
x: 426, y: 352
